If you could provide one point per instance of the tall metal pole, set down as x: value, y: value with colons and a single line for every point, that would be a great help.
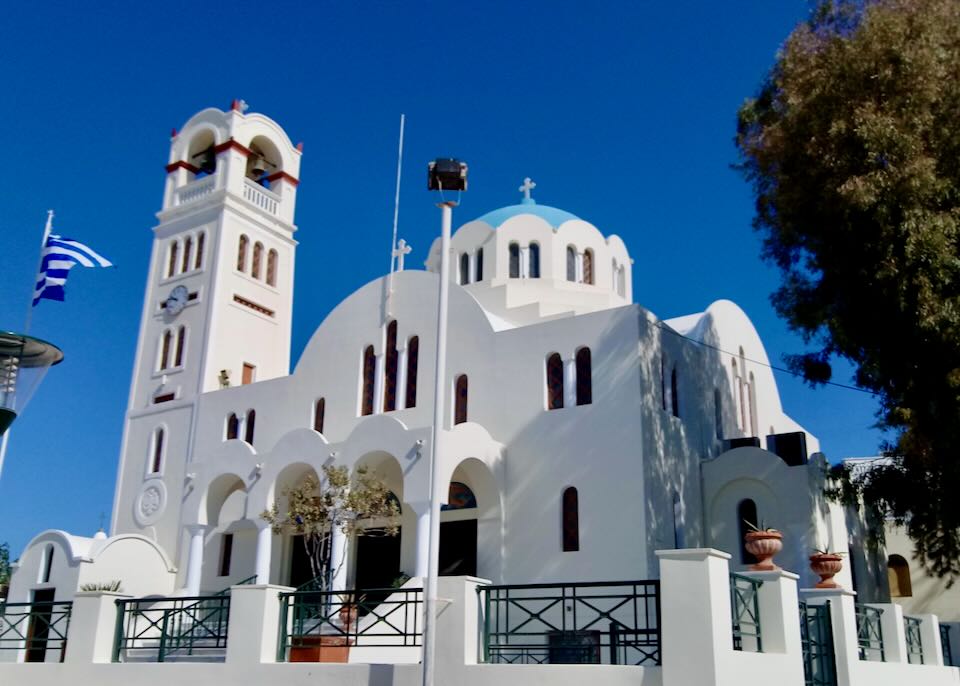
x: 3, y: 449
x: 43, y: 244
x: 430, y: 604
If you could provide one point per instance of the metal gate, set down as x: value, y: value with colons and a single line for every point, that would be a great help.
x: 816, y: 635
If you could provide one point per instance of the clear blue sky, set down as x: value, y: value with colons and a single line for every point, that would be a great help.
x: 622, y: 112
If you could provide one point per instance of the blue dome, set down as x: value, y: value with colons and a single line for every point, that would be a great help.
x: 553, y: 216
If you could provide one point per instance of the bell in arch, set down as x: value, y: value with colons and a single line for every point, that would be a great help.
x: 259, y: 167
x: 208, y: 161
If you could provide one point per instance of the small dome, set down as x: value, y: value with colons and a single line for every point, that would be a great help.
x: 552, y: 215
x: 101, y: 535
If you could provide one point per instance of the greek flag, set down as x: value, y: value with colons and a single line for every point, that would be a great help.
x: 58, y: 257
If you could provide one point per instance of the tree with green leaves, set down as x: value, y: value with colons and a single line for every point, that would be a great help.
x: 852, y: 146
x: 314, y: 508
x: 4, y: 564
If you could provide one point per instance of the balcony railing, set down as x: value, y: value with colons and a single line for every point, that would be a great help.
x: 745, y: 609
x: 945, y: 645
x: 194, y: 190
x: 326, y: 625
x: 611, y: 623
x: 36, y: 629
x: 816, y: 639
x: 870, y: 633
x: 911, y: 627
x: 260, y: 196
x: 170, y: 629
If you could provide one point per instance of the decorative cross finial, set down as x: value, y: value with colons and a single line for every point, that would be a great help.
x: 399, y: 252
x: 527, y: 186
x: 103, y: 518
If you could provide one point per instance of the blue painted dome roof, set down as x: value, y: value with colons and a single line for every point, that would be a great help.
x: 552, y: 215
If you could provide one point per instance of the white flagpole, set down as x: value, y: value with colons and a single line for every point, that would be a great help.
x: 396, y: 218
x: 43, y: 244
x: 3, y: 449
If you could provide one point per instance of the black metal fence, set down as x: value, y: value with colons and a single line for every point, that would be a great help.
x: 745, y: 609
x: 35, y: 629
x: 172, y: 629
x: 870, y: 633
x: 816, y: 638
x: 610, y: 623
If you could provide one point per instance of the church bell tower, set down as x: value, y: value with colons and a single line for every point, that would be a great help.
x: 218, y: 303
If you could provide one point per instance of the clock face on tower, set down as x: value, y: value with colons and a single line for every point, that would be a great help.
x: 176, y: 301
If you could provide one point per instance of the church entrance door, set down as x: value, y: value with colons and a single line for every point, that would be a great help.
x: 39, y: 629
x: 377, y: 565
x: 458, y: 548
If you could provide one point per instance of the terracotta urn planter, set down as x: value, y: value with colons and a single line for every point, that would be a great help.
x: 763, y: 545
x: 826, y: 566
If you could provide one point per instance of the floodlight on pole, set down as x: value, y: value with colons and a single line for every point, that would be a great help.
x: 442, y: 175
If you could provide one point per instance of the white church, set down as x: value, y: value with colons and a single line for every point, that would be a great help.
x: 581, y: 433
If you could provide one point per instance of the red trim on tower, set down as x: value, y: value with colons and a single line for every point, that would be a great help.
x: 292, y: 180
x: 228, y: 144
x: 181, y: 164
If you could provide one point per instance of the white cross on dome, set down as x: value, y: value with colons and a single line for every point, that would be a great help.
x: 527, y: 186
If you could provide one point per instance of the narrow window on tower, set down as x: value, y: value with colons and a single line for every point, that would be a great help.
x: 588, y: 266
x: 718, y: 413
x: 201, y: 237
x: 554, y: 381
x: 460, y: 400
x: 413, y: 350
x: 369, y: 371
x: 233, y: 426
x: 181, y: 337
x: 571, y: 263
x: 156, y: 458
x: 479, y: 275
x: 584, y: 377
x: 570, y: 522
x: 746, y: 515
x: 534, y: 266
x: 663, y: 384
x: 464, y: 269
x: 390, y: 367
x: 251, y: 425
x: 257, y: 260
x: 242, y: 253
x: 514, y: 251
x: 249, y: 373
x: 674, y: 394
x: 47, y: 566
x: 172, y: 264
x: 226, y: 552
x: 165, y: 344
x: 319, y: 408
x: 187, y: 250
x: 272, y: 268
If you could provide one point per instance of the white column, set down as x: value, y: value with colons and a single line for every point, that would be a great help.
x: 579, y: 267
x: 378, y: 385
x: 524, y: 262
x: 423, y: 541
x: 570, y: 383
x: 264, y: 551
x: 472, y: 270
x: 254, y: 624
x: 338, y: 560
x: 402, y: 378
x: 843, y: 621
x: 195, y: 560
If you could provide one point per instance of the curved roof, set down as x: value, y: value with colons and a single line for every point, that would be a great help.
x: 552, y: 215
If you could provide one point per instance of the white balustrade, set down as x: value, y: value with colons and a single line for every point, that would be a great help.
x: 260, y: 196
x: 194, y: 190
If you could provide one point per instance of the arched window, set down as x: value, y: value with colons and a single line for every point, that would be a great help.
x: 369, y: 371
x: 46, y: 568
x: 588, y: 266
x: 464, y: 269
x: 898, y: 576
x: 459, y: 497
x: 172, y: 265
x: 460, y: 400
x: 571, y: 520
x: 318, y: 409
x: 746, y: 516
x: 534, y: 261
x: 257, y: 260
x: 156, y: 460
x: 272, y: 268
x: 251, y: 426
x: 554, y: 381
x: 622, y: 281
x: 390, y: 367
x: 242, y: 253
x: 674, y: 394
x: 233, y: 426
x: 584, y: 377
x: 717, y: 413
x: 187, y: 250
x: 201, y: 238
x: 479, y: 275
x: 181, y: 337
x: 514, y: 261
x: 678, y: 537
x: 571, y: 263
x: 413, y: 350
x: 165, y: 345
x: 751, y: 394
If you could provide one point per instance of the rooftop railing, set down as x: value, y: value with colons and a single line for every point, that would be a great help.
x: 911, y: 627
x: 870, y: 633
x: 35, y: 629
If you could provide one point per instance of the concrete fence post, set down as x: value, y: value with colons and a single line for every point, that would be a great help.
x: 843, y: 622
x: 696, y: 631
x: 930, y: 639
x: 458, y: 625
x: 93, y: 624
x: 254, y: 626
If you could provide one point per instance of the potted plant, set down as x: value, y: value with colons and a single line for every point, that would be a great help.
x: 826, y: 565
x: 763, y: 543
